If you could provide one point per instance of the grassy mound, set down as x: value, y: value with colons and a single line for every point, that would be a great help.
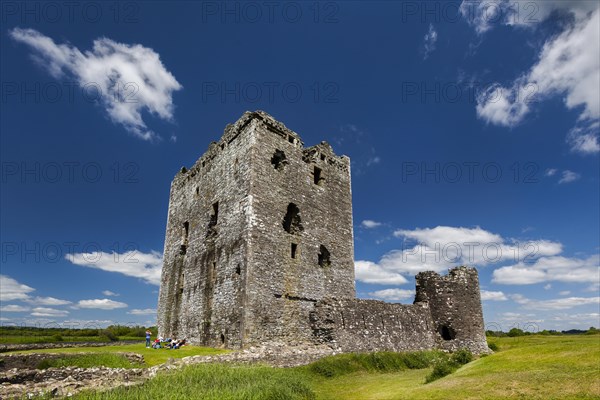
x: 381, y: 362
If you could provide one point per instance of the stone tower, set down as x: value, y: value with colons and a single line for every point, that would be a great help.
x: 259, y: 229
x: 455, y: 307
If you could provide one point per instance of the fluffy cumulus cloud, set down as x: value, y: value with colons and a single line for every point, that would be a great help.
x: 487, y: 295
x: 127, y: 79
x: 393, y: 294
x: 47, y: 301
x: 145, y: 266
x: 109, y: 293
x: 48, y: 312
x: 484, y: 15
x: 101, y: 304
x: 13, y: 308
x: 429, y: 41
x: 568, y: 66
x: 369, y: 272
x: 10, y: 289
x: 145, y: 311
x: 555, y: 304
x: 443, y: 247
x: 545, y: 269
x: 370, y: 224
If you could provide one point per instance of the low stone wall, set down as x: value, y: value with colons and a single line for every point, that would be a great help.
x: 17, y: 383
x: 354, y: 325
x: 32, y: 360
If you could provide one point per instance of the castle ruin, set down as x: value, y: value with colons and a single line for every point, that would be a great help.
x: 259, y: 248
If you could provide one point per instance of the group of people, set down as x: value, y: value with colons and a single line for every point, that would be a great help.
x: 168, y: 343
x: 161, y: 343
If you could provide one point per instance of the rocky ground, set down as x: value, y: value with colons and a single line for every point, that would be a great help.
x: 19, y: 377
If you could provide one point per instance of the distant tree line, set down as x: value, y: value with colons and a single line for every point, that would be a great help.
x: 110, y: 333
x: 514, y: 332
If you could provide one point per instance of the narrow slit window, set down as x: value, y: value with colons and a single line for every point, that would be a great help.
x: 294, y: 250
x: 184, y: 242
x: 317, y: 176
x: 214, y: 218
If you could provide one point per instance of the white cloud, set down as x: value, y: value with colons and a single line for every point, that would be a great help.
x: 370, y: 272
x: 484, y: 15
x: 13, y: 308
x: 393, y: 294
x: 48, y: 312
x: 551, y: 172
x: 10, y: 289
x: 429, y: 41
x: 557, y: 268
x: 370, y: 224
x: 584, y: 138
x: 101, y: 304
x: 568, y: 66
x: 492, y: 296
x: 568, y: 177
x: 564, y: 292
x: 444, y: 247
x: 109, y: 293
x: 130, y: 78
x: 146, y: 311
x: 47, y: 301
x: 554, y: 304
x: 547, y: 286
x: 146, y: 266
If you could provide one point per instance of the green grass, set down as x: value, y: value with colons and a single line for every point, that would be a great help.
x: 112, y: 360
x: 380, y: 362
x: 532, y: 367
x: 151, y: 356
x: 217, y: 382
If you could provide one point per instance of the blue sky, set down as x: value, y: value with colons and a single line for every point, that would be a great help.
x: 472, y: 128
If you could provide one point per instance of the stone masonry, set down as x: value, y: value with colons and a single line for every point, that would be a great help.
x: 259, y: 248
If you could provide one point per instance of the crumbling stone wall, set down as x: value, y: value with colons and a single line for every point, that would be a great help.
x: 355, y: 325
x: 446, y: 314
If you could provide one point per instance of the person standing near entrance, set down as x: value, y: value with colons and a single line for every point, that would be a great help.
x: 148, y: 334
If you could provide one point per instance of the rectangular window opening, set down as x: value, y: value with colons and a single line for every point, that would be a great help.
x: 294, y: 250
x: 291, y: 139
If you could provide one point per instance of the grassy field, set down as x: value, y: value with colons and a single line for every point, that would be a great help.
x: 151, y: 356
x: 531, y: 367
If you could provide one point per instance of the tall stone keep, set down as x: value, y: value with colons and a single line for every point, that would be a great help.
x: 258, y: 231
x: 259, y: 248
